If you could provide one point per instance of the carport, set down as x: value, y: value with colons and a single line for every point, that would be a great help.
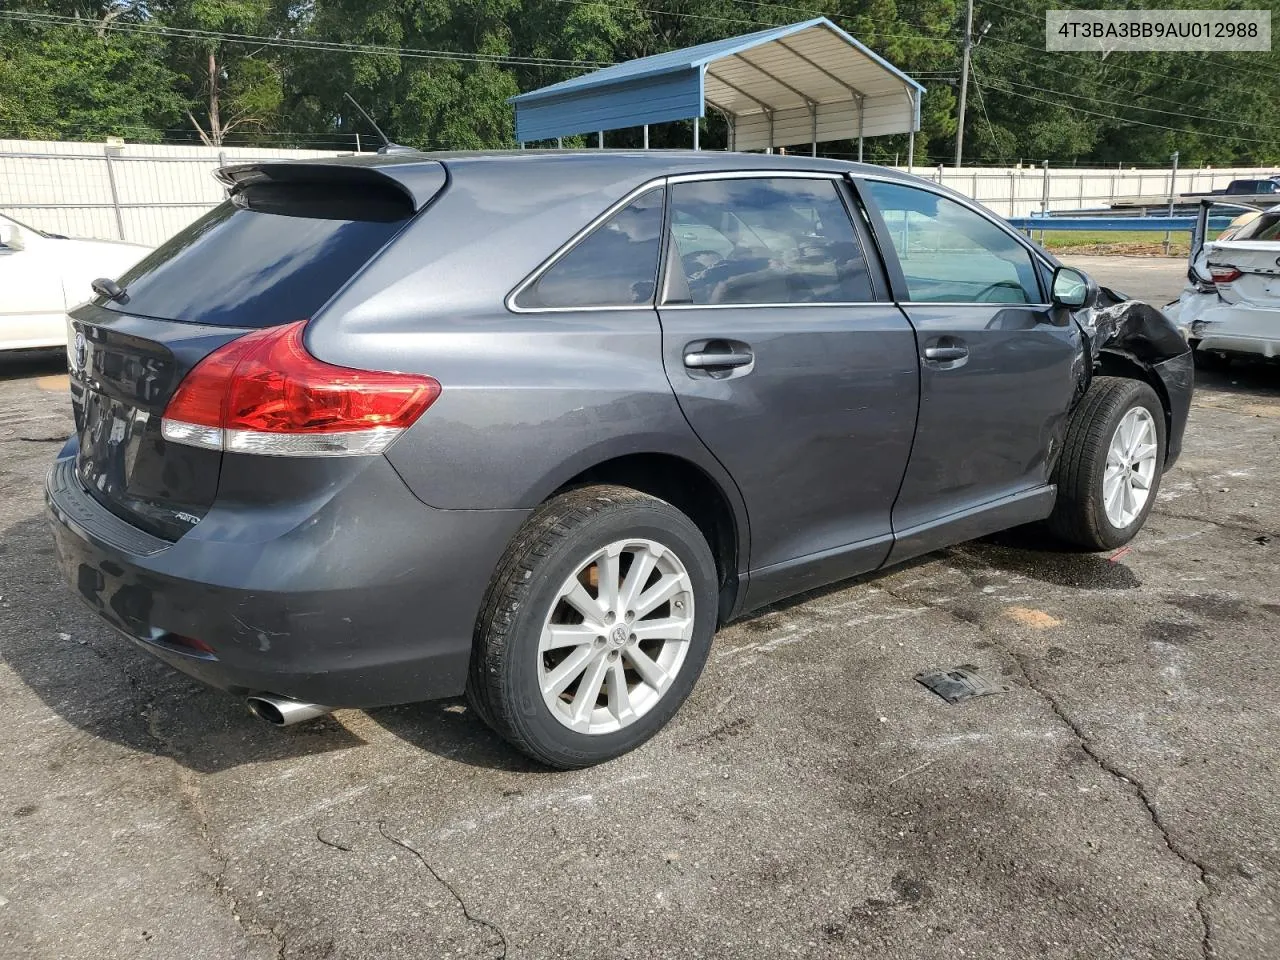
x: 807, y: 82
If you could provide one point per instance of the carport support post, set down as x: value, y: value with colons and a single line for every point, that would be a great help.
x: 911, y: 150
x: 646, y: 136
x: 697, y: 124
x: 600, y: 139
x: 861, y: 101
x: 1173, y: 194
x: 813, y: 130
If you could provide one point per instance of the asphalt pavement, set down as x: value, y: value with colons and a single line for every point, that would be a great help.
x: 810, y: 800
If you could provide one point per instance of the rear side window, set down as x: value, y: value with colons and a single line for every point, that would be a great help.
x: 949, y: 253
x: 273, y: 253
x: 616, y: 265
x: 765, y: 241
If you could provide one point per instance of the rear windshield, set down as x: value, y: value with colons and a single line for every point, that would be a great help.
x: 273, y: 253
x: 1265, y: 227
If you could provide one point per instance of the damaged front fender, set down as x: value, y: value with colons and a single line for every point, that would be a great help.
x: 1122, y: 334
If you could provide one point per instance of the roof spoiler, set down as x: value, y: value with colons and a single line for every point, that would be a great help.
x: 419, y: 179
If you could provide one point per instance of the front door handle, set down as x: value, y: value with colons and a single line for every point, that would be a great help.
x: 710, y: 361
x: 943, y: 354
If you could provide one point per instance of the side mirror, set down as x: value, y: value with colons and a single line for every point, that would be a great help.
x: 10, y: 236
x: 1073, y: 289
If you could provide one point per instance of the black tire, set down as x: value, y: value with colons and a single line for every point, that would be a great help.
x: 503, y: 685
x: 1079, y: 515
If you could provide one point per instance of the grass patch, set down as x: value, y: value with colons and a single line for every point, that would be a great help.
x: 1148, y: 243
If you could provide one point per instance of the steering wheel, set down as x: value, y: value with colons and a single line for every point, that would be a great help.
x: 999, y: 285
x: 693, y: 264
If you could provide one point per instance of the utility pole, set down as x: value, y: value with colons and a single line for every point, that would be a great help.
x: 964, y: 78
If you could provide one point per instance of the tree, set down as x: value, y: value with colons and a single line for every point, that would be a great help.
x: 231, y: 83
x: 78, y: 81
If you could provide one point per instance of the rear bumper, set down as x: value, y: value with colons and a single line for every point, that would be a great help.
x: 370, y: 600
x: 1237, y: 328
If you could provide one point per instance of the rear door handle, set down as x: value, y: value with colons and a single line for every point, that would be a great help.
x: 709, y: 361
x: 945, y: 353
x: 718, y: 359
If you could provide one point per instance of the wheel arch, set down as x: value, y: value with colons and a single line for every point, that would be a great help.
x: 1113, y: 362
x: 693, y: 491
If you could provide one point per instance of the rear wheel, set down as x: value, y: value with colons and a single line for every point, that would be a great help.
x: 1112, y: 459
x: 595, y: 628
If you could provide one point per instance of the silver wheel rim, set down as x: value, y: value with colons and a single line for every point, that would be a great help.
x: 616, y: 636
x: 1131, y: 467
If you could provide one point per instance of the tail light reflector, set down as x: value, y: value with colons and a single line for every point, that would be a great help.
x: 1224, y: 274
x: 264, y: 393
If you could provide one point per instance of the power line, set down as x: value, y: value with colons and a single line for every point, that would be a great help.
x: 1203, y: 59
x: 982, y: 102
x: 1141, y: 123
x: 1121, y: 103
x: 754, y: 23
x: 1041, y: 50
x: 302, y: 43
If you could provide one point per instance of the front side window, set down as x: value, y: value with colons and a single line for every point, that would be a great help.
x: 950, y: 254
x: 765, y: 241
x: 616, y: 265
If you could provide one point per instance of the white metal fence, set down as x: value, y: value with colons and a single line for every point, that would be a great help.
x: 1022, y: 191
x: 145, y: 193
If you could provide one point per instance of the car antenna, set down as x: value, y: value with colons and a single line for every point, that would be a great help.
x: 387, y: 145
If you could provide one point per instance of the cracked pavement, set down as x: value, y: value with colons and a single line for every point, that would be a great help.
x: 810, y: 800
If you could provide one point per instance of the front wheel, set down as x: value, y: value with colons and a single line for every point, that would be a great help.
x: 595, y: 628
x: 1111, y: 463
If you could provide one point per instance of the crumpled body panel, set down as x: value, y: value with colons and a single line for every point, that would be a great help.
x: 1145, y: 335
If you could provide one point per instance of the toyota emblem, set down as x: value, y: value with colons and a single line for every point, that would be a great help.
x: 79, y: 357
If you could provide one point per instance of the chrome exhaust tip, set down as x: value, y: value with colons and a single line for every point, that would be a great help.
x: 283, y: 712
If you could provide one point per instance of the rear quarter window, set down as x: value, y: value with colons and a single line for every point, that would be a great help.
x: 616, y: 265
x: 273, y: 253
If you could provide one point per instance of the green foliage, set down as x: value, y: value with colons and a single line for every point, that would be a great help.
x: 116, y: 71
x: 69, y: 83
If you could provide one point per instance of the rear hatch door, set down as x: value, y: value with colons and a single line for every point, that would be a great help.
x: 282, y: 245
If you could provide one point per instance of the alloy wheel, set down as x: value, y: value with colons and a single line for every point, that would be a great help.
x: 1131, y: 467
x: 616, y: 636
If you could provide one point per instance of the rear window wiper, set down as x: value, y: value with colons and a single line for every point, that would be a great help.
x: 106, y: 287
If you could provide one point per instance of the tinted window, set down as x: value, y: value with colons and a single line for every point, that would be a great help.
x: 780, y: 240
x: 1252, y: 187
x: 951, y: 254
x: 1265, y: 227
x: 273, y: 253
x: 615, y: 265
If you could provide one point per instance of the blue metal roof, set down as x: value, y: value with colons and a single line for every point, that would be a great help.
x: 671, y: 86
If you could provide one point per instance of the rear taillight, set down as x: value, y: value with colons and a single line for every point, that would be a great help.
x: 264, y: 393
x: 1224, y: 274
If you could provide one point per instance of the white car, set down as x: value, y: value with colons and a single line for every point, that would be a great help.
x: 1231, y: 305
x: 43, y: 275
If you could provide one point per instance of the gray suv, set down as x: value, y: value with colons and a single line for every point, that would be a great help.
x: 533, y: 425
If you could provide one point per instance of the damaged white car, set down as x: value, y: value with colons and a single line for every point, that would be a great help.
x: 1231, y: 305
